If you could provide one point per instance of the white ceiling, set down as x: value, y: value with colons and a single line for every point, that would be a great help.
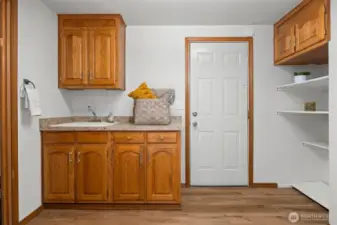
x: 182, y: 12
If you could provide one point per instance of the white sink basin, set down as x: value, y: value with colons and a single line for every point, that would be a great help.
x: 84, y: 124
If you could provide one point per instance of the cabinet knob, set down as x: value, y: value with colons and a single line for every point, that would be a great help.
x: 141, y: 159
x: 161, y: 137
x: 129, y: 138
x: 70, y: 157
x: 78, y: 157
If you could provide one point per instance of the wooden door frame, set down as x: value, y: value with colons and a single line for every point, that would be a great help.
x: 9, y: 112
x: 248, y: 40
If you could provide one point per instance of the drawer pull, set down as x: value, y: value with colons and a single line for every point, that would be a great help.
x: 129, y: 138
x: 162, y: 137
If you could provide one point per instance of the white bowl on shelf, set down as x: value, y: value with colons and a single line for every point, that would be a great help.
x: 300, y: 78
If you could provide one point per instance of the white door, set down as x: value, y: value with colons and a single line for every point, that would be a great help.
x: 219, y: 108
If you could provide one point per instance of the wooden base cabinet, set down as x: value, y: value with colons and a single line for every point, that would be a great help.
x: 129, y: 173
x: 91, y: 173
x: 75, y: 167
x: 163, y: 180
x: 58, y: 173
x: 111, y: 167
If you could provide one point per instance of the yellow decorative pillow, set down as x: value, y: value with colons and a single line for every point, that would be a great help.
x: 142, y: 92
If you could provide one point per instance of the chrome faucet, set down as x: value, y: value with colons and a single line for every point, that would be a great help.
x: 93, y: 113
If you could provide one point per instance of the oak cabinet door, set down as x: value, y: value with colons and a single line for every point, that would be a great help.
x: 102, y: 56
x: 58, y: 173
x: 73, y: 57
x: 129, y: 173
x: 311, y: 24
x: 163, y: 174
x: 91, y: 173
x: 285, y: 40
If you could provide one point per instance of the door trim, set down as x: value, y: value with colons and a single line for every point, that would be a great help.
x: 248, y: 40
x: 9, y: 112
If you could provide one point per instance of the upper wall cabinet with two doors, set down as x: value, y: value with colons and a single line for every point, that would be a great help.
x: 91, y: 52
x: 302, y: 36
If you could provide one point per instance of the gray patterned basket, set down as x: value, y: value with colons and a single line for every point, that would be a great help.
x: 154, y: 111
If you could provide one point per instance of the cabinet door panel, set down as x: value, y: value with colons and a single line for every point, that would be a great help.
x: 91, y: 173
x: 310, y: 25
x: 284, y: 40
x: 73, y: 57
x: 129, y: 173
x: 58, y: 173
x: 102, y: 56
x: 163, y: 173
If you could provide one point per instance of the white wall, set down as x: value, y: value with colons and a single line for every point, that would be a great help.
x: 156, y: 54
x: 333, y: 115
x: 37, y: 62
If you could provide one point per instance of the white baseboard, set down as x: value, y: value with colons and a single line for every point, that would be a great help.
x: 284, y: 186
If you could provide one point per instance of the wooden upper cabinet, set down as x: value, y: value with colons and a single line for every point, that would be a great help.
x: 102, y: 56
x: 129, y: 173
x: 91, y: 173
x: 311, y: 25
x: 302, y: 36
x: 163, y: 173
x: 92, y: 52
x: 58, y: 173
x: 73, y: 57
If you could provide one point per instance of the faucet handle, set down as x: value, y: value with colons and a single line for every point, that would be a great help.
x: 111, y: 118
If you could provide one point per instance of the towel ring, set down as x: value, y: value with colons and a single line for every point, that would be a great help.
x: 26, y: 82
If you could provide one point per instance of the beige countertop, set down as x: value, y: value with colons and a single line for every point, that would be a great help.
x: 122, y: 124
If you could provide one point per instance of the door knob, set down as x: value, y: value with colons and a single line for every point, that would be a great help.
x: 194, y: 113
x: 195, y: 124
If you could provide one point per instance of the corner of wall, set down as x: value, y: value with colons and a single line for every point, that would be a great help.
x: 37, y: 62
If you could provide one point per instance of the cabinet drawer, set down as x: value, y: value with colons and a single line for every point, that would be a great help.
x: 92, y: 137
x: 58, y: 137
x: 163, y: 137
x: 129, y: 137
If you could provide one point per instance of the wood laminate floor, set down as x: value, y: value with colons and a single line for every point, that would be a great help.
x: 204, y: 206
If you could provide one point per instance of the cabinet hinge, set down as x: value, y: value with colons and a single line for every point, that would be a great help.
x: 325, y: 20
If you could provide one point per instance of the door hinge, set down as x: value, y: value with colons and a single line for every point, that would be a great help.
x: 248, y: 116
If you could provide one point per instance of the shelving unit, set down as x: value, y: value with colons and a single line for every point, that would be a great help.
x: 317, y: 191
x: 303, y: 112
x: 317, y: 144
x: 320, y: 83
